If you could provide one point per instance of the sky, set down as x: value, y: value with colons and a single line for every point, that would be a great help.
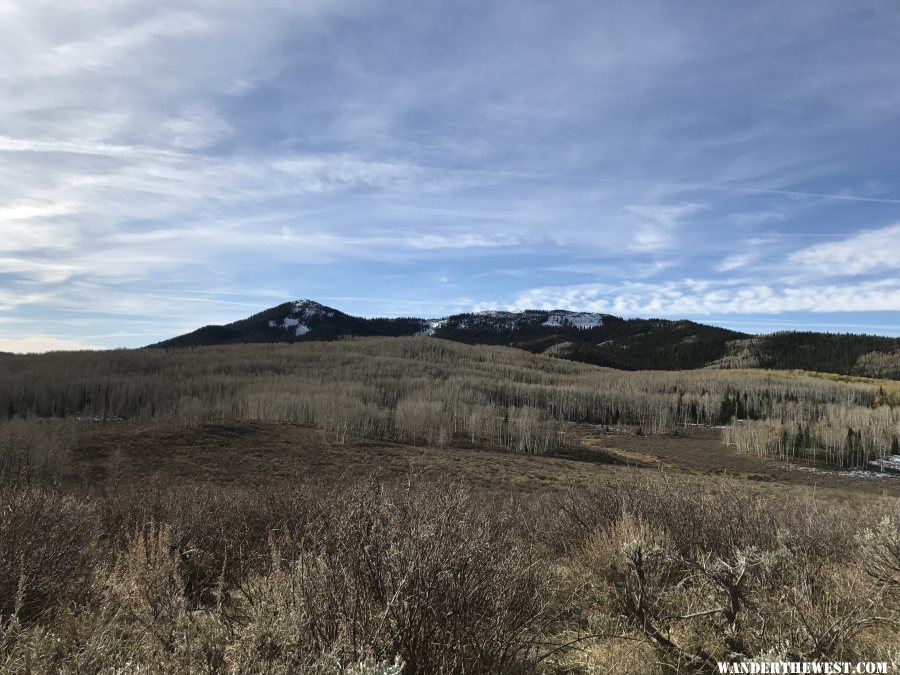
x: 166, y: 165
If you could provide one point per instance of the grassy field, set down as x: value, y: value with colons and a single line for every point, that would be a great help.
x: 257, y: 452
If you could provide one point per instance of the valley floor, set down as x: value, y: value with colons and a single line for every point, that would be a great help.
x: 272, y: 452
x: 252, y: 548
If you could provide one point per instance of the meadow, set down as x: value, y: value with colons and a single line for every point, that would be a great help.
x: 412, y: 505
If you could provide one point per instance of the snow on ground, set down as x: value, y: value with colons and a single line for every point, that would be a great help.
x: 887, y: 463
x: 576, y: 319
x: 498, y: 314
x: 851, y: 473
x: 557, y: 318
x: 307, y: 309
x: 506, y: 320
x: 431, y: 325
x: 299, y: 318
x: 291, y: 322
x: 860, y: 473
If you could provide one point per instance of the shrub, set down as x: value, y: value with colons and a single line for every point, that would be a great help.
x: 47, y: 550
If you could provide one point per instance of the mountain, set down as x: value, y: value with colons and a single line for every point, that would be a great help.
x: 600, y: 339
x: 293, y: 321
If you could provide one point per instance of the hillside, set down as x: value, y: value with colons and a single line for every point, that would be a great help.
x: 599, y: 339
x: 847, y: 354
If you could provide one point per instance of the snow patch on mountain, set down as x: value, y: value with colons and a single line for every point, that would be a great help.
x: 431, y: 325
x: 308, y: 309
x: 496, y: 318
x: 290, y: 322
x: 576, y: 319
x: 299, y: 328
x: 302, y: 312
x: 305, y: 315
x: 512, y: 320
x: 499, y: 314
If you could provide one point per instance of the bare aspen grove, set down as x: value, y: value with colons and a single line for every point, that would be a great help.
x: 426, y: 391
x: 639, y: 569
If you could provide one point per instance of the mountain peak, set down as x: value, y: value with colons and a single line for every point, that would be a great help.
x: 306, y: 302
x: 306, y: 305
x: 302, y: 313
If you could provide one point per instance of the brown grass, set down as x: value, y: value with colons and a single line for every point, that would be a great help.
x: 248, y: 453
x: 321, y: 574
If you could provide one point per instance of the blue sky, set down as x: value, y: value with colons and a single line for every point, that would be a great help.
x: 172, y: 164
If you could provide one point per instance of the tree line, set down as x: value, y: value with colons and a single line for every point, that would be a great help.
x: 428, y: 391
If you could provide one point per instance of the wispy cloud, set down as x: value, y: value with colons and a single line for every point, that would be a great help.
x: 734, y: 262
x: 656, y: 227
x: 463, y: 240
x: 316, y: 174
x: 151, y: 153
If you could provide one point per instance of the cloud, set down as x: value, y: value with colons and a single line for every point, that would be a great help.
x: 331, y: 145
x: 707, y: 297
x: 41, y: 343
x: 42, y: 272
x: 868, y: 251
x: 656, y: 227
x: 319, y: 173
x: 11, y: 299
x: 197, y: 129
x: 734, y: 262
x: 463, y: 240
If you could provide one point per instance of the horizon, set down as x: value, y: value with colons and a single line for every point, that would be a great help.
x: 424, y: 317
x: 185, y: 164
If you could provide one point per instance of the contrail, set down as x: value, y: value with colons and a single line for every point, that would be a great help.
x: 9, y: 144
x: 683, y: 186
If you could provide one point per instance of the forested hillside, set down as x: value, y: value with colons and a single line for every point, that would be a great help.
x: 868, y: 355
x: 598, y: 339
x: 432, y: 391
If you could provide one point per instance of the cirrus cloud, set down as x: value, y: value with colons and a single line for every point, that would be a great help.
x: 156, y: 152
